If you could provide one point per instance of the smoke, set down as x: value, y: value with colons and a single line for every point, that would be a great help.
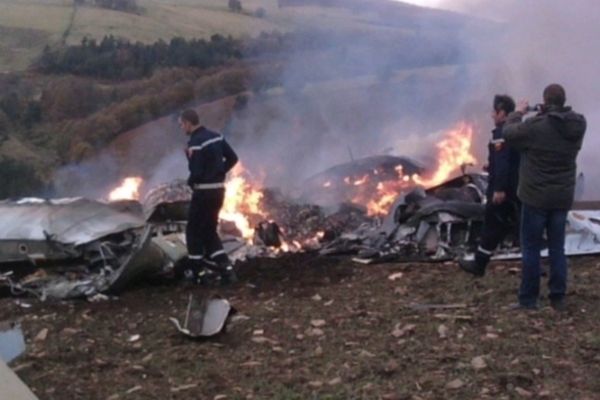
x: 393, y: 81
x: 541, y: 43
x: 355, y: 94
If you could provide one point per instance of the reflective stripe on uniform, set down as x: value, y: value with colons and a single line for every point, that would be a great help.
x: 203, y: 145
x: 201, y: 186
x: 217, y: 253
x: 484, y: 251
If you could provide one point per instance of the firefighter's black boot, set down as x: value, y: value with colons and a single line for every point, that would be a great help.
x: 477, y: 266
x: 223, y: 266
x: 228, y: 275
x: 207, y: 277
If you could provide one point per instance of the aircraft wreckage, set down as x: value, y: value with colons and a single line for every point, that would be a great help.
x: 67, y: 248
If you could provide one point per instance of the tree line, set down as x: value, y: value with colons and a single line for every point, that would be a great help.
x: 119, y: 5
x: 114, y: 58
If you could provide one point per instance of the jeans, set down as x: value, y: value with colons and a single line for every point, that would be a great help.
x: 534, y: 221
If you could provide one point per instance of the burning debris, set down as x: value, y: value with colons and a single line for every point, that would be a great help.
x: 73, y: 247
x: 77, y: 247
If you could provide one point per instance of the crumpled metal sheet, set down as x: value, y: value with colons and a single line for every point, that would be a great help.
x: 204, y: 318
x: 12, y: 341
x: 88, y: 247
x: 11, y: 387
x: 68, y: 221
x: 167, y: 202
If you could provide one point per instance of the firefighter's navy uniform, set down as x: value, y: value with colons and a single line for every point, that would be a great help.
x: 500, y: 219
x: 210, y: 157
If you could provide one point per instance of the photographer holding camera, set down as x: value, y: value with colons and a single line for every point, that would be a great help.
x: 548, y: 143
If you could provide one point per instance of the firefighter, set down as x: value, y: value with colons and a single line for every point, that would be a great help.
x: 502, y: 205
x: 210, y: 157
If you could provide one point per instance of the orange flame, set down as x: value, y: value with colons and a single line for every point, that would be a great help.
x: 454, y: 151
x: 128, y: 190
x: 242, y: 200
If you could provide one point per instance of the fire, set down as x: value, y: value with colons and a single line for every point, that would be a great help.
x: 128, y: 190
x: 454, y: 151
x: 242, y: 200
x: 377, y: 193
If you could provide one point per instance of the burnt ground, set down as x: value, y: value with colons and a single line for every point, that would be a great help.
x: 323, y: 329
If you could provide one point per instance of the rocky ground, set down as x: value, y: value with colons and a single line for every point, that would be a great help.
x: 322, y: 328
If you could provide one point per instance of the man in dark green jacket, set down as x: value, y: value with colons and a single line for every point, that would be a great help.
x: 549, y: 143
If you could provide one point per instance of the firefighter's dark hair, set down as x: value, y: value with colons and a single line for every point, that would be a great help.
x: 554, y: 95
x: 504, y: 102
x: 190, y: 116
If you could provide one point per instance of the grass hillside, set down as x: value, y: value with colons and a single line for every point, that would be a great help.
x: 26, y: 26
x: 345, y: 67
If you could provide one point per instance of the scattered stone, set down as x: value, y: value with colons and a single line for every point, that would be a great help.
x: 395, y: 276
x: 443, y: 331
x: 478, y: 363
x: 41, y: 336
x: 260, y: 340
x: 258, y: 332
x: 69, y: 331
x: 133, y: 338
x: 319, y: 351
x: 366, y: 354
x: 315, y: 332
x: 455, y: 384
x: 315, y: 384
x: 133, y: 389
x: 391, y: 367
x: 317, y: 323
x: 399, y: 332
x: 335, y: 381
x: 317, y: 297
x: 220, y: 397
x: 523, y: 393
x: 250, y: 364
x: 183, y: 387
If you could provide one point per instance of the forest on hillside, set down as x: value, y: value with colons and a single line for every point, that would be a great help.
x: 75, y: 99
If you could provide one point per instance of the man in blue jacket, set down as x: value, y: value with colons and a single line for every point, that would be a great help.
x: 210, y: 157
x: 501, y: 210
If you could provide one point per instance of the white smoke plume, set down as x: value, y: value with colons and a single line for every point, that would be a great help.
x: 400, y: 101
x: 543, y: 42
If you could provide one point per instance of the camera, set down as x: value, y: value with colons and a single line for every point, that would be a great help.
x: 535, y: 108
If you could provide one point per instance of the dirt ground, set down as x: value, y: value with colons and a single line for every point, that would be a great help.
x: 322, y: 328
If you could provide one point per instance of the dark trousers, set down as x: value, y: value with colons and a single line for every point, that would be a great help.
x: 499, y: 221
x: 203, y: 242
x: 534, y: 221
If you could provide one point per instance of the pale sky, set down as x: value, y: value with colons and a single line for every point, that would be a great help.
x: 425, y: 3
x: 481, y: 8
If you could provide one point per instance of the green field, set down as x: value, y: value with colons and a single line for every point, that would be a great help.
x: 26, y: 26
